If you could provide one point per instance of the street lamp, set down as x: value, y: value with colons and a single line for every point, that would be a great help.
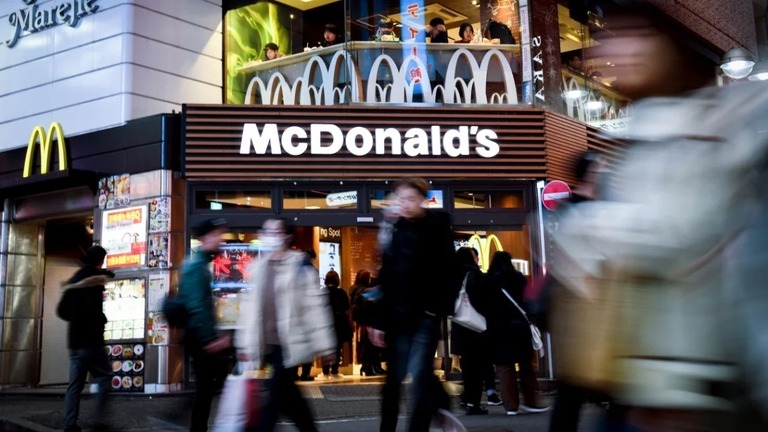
x: 737, y: 63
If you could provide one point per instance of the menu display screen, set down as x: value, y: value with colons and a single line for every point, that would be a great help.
x: 230, y: 276
x: 124, y: 306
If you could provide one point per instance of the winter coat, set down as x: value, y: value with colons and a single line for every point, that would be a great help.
x: 477, y: 290
x: 82, y: 304
x: 305, y: 321
x: 340, y: 307
x: 508, y: 329
x: 196, y: 295
x: 418, y: 275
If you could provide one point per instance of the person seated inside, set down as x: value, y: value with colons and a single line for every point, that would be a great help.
x: 575, y: 64
x: 435, y: 31
x: 499, y: 33
x: 330, y: 37
x: 272, y: 51
x: 385, y: 31
x: 466, y: 34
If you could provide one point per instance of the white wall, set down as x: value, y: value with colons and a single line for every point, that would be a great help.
x: 131, y: 59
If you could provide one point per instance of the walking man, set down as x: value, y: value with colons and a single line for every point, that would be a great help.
x: 82, y: 306
x: 203, y: 342
x: 419, y: 288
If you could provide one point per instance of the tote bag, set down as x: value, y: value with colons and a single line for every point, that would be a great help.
x: 464, y: 314
x: 240, y: 404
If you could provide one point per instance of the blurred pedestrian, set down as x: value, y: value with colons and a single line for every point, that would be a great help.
x: 419, y: 286
x: 207, y: 348
x: 285, y: 320
x: 511, y: 336
x: 82, y: 306
x: 341, y: 321
x: 470, y: 345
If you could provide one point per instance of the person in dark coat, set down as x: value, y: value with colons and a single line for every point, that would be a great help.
x: 340, y: 307
x: 82, y: 305
x: 369, y: 355
x: 511, y: 335
x: 469, y: 344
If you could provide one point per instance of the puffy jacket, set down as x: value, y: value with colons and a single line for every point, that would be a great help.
x: 82, y: 304
x: 195, y: 293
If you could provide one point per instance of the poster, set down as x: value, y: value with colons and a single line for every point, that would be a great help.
x: 329, y: 259
x: 160, y: 215
x: 127, y: 363
x: 124, y: 236
x: 114, y: 191
x: 158, y: 251
x: 157, y: 290
x: 124, y: 302
x: 230, y: 278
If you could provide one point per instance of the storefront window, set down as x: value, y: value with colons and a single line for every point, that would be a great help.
x: 381, y: 198
x: 320, y: 199
x: 487, y: 200
x: 222, y: 199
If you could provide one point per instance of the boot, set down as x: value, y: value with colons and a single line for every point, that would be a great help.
x: 378, y: 370
x: 367, y: 370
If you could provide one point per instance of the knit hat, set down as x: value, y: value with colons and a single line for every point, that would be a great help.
x: 94, y: 255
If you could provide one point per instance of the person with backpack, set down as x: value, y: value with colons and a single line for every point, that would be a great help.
x: 82, y: 305
x: 203, y: 342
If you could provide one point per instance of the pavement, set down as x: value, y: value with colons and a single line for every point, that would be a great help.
x: 347, y: 405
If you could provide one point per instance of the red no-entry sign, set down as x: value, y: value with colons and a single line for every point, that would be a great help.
x: 553, y: 193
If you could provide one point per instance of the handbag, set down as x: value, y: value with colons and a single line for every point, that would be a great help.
x: 536, y: 341
x: 464, y: 314
x: 240, y: 404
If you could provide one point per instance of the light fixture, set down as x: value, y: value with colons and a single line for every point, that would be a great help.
x: 575, y: 94
x: 737, y: 63
x: 760, y: 71
x: 595, y: 105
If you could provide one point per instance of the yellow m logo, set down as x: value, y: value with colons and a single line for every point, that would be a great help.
x: 484, y: 248
x: 46, y: 141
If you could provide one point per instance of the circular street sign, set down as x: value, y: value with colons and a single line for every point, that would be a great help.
x: 553, y: 193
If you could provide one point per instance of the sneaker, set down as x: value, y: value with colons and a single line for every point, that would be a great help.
x: 511, y: 413
x: 531, y: 409
x: 494, y: 399
x: 476, y: 410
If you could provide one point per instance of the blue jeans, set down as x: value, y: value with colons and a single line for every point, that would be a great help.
x: 413, y: 352
x: 82, y: 361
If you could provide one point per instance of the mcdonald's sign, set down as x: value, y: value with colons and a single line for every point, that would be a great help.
x: 484, y: 248
x: 46, y: 141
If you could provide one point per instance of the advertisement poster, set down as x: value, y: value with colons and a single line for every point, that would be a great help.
x: 127, y: 362
x: 329, y: 259
x: 114, y: 191
x: 434, y: 199
x: 158, y: 251
x: 230, y: 276
x: 124, y: 307
x: 124, y: 236
x: 160, y: 215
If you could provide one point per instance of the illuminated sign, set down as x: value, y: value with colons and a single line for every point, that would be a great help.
x: 124, y: 236
x: 483, y: 245
x: 34, y: 18
x: 46, y: 141
x: 328, y: 139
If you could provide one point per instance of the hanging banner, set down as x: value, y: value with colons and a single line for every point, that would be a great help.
x: 124, y: 236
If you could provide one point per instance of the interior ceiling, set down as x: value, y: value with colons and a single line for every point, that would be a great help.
x: 306, y: 4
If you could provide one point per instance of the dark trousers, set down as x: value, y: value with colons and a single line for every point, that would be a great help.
x: 333, y: 366
x: 210, y: 370
x: 474, y: 362
x: 306, y: 369
x: 82, y: 361
x: 283, y: 396
x: 510, y: 397
x: 412, y: 352
x: 568, y: 402
x: 489, y: 376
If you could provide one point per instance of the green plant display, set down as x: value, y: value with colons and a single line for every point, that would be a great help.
x: 247, y: 30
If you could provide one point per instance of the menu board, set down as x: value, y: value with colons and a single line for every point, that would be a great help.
x: 127, y: 363
x: 124, y: 236
x: 157, y: 326
x: 124, y: 307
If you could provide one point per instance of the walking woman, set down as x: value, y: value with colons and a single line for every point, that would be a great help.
x: 340, y: 307
x: 467, y: 343
x: 511, y: 336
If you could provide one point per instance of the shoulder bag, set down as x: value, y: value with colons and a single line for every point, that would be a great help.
x: 464, y: 314
x: 536, y: 341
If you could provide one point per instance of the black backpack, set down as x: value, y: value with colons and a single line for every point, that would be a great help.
x: 175, y: 311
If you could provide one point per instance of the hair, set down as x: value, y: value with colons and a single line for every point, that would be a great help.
x: 386, y: 23
x: 584, y: 162
x: 501, y: 262
x: 332, y: 279
x: 363, y: 278
x: 417, y: 183
x: 465, y: 257
x: 475, y: 252
x: 287, y: 227
x: 310, y: 253
x: 330, y: 27
x: 94, y: 255
x: 436, y: 21
x: 463, y: 28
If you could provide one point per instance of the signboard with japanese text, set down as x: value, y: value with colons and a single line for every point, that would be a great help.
x: 124, y: 236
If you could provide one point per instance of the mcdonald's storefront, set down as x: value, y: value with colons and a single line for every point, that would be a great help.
x: 61, y: 194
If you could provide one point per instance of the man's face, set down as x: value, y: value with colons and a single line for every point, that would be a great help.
x: 410, y: 200
x: 271, y: 54
x: 273, y: 231
x: 329, y: 36
x: 212, y: 241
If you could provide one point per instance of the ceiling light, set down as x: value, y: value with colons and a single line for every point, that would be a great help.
x: 311, y: 207
x: 760, y: 71
x: 737, y: 63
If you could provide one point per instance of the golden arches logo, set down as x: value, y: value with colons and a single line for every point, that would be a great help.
x: 46, y: 141
x: 485, y: 248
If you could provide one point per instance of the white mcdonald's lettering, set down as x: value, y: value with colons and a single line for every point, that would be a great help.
x: 328, y: 139
x: 46, y: 140
x: 484, y: 248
